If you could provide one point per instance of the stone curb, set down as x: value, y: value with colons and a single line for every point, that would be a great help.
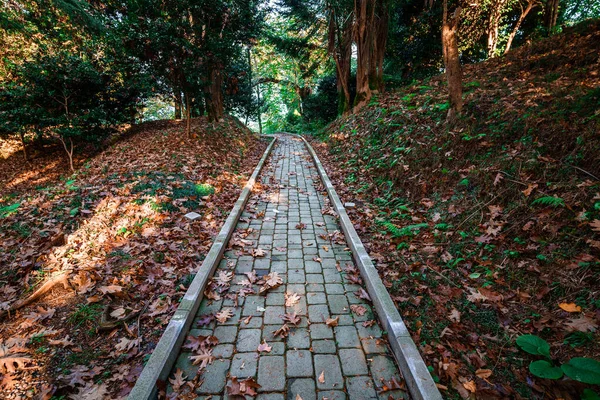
x: 415, y: 372
x: 165, y: 354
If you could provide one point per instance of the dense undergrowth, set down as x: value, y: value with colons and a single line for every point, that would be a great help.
x: 114, y: 238
x: 489, y: 229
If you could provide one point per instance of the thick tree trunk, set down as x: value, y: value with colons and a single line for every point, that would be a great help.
x: 214, y: 96
x: 380, y: 33
x: 452, y: 61
x: 513, y: 33
x: 364, y: 11
x: 340, y: 48
x: 550, y: 15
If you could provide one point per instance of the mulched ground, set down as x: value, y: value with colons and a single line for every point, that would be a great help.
x: 114, y: 239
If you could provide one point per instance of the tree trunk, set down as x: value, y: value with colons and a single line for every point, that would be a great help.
x: 178, y: 103
x: 340, y: 48
x: 380, y: 33
x: 364, y: 11
x: 550, y: 15
x: 258, y: 109
x: 452, y: 61
x: 69, y: 150
x: 513, y: 33
x: 188, y: 114
x: 494, y: 26
x: 214, y: 96
x: 22, y: 136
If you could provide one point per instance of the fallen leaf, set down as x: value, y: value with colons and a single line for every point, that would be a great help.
x: 178, y: 379
x: 283, y: 331
x: 322, y: 377
x: 570, y: 307
x: 291, y: 299
x: 333, y: 322
x: 358, y: 309
x: 264, y: 347
x: 223, y: 315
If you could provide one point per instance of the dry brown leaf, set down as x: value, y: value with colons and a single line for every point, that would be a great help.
x: 291, y: 299
x: 223, y: 315
x: 595, y: 224
x: 358, y: 309
x: 178, y: 379
x: 333, y: 322
x: 264, y: 347
x: 283, y: 331
x: 322, y: 377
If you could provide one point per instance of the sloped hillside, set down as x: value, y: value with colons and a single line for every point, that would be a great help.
x: 116, y: 253
x: 488, y: 230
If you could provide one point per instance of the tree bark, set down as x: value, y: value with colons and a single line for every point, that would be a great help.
x: 178, y: 103
x: 550, y: 15
x: 494, y: 25
x: 451, y: 60
x: 214, y: 95
x: 188, y: 114
x: 380, y: 34
x: 513, y: 33
x: 365, y: 12
x: 340, y: 48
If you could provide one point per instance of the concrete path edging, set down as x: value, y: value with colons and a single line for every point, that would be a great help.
x: 411, y: 364
x: 165, y: 354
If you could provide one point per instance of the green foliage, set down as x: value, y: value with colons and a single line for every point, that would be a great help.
x: 533, y: 344
x: 549, y: 201
x: 545, y: 369
x: 581, y: 369
x: 9, y: 210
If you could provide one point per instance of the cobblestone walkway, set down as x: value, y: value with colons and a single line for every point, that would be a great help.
x: 306, y: 248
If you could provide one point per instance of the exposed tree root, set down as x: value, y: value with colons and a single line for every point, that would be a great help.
x: 45, y: 288
x: 106, y: 324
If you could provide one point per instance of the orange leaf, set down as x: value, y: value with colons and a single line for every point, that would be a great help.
x: 570, y: 307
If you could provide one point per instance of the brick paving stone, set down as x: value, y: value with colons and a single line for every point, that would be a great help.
x: 299, y: 338
x: 251, y: 305
x: 273, y: 314
x: 355, y: 358
x: 333, y: 373
x: 214, y: 376
x: 223, y: 351
x: 338, y: 303
x: 383, y: 368
x: 346, y: 336
x: 353, y: 362
x: 332, y: 395
x: 226, y: 334
x: 299, y: 363
x: 275, y: 299
x: 248, y: 340
x: 305, y: 388
x: 324, y: 346
x: 316, y: 298
x: 318, y: 313
x: 361, y: 388
x: 270, y: 373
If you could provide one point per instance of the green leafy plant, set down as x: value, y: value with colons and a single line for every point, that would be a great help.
x: 549, y: 201
x: 8, y: 210
x: 581, y: 369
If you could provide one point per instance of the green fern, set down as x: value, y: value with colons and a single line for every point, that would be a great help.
x: 408, y: 230
x: 549, y: 201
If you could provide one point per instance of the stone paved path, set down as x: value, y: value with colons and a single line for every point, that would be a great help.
x: 353, y: 358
